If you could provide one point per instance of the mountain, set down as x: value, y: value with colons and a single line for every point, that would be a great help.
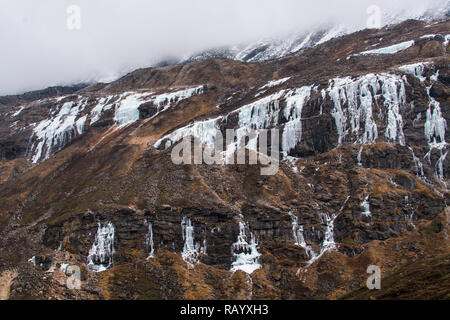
x: 268, y: 49
x: 88, y: 181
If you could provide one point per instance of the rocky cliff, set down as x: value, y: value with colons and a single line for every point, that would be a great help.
x: 87, y: 178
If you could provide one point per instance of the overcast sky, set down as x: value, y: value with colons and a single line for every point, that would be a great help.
x: 37, y: 49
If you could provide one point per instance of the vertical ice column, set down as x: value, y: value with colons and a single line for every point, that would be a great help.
x: 418, y: 164
x: 245, y: 253
x: 299, y: 238
x: 435, y: 130
x: 100, y: 256
x: 149, y: 241
x: 365, y: 206
x: 191, y: 250
x: 435, y: 124
x: 328, y: 242
x: 292, y: 133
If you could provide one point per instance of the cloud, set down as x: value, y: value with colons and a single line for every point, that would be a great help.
x: 38, y: 49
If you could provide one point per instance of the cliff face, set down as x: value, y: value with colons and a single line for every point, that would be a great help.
x: 87, y: 177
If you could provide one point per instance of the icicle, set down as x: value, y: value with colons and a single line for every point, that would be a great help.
x: 359, y: 96
x: 149, y: 241
x: 127, y: 110
x: 324, y: 96
x: 292, y: 133
x: 328, y: 243
x: 435, y: 129
x: 365, y: 206
x: 203, y: 249
x: 246, y: 254
x: 409, y: 218
x: 101, y: 254
x: 54, y: 133
x: 297, y: 231
x: 359, y: 157
x: 191, y: 251
x: 261, y: 114
x: 418, y: 164
x: 440, y: 166
x: 394, y: 95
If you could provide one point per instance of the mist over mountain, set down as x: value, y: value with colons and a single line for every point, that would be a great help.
x: 38, y: 49
x: 93, y: 187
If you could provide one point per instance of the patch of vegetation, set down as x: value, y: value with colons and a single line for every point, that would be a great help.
x: 424, y: 280
x: 436, y: 226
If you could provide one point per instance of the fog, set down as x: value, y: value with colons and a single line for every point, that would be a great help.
x: 40, y: 49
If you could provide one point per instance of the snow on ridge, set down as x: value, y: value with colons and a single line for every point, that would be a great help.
x: 275, y: 83
x: 335, y: 33
x: 275, y: 48
x: 386, y: 50
x: 428, y: 36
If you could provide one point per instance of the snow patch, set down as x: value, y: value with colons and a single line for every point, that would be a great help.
x: 386, y: 50
x: 15, y: 114
x: 275, y: 83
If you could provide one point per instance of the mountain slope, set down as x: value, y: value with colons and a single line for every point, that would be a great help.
x: 87, y: 178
